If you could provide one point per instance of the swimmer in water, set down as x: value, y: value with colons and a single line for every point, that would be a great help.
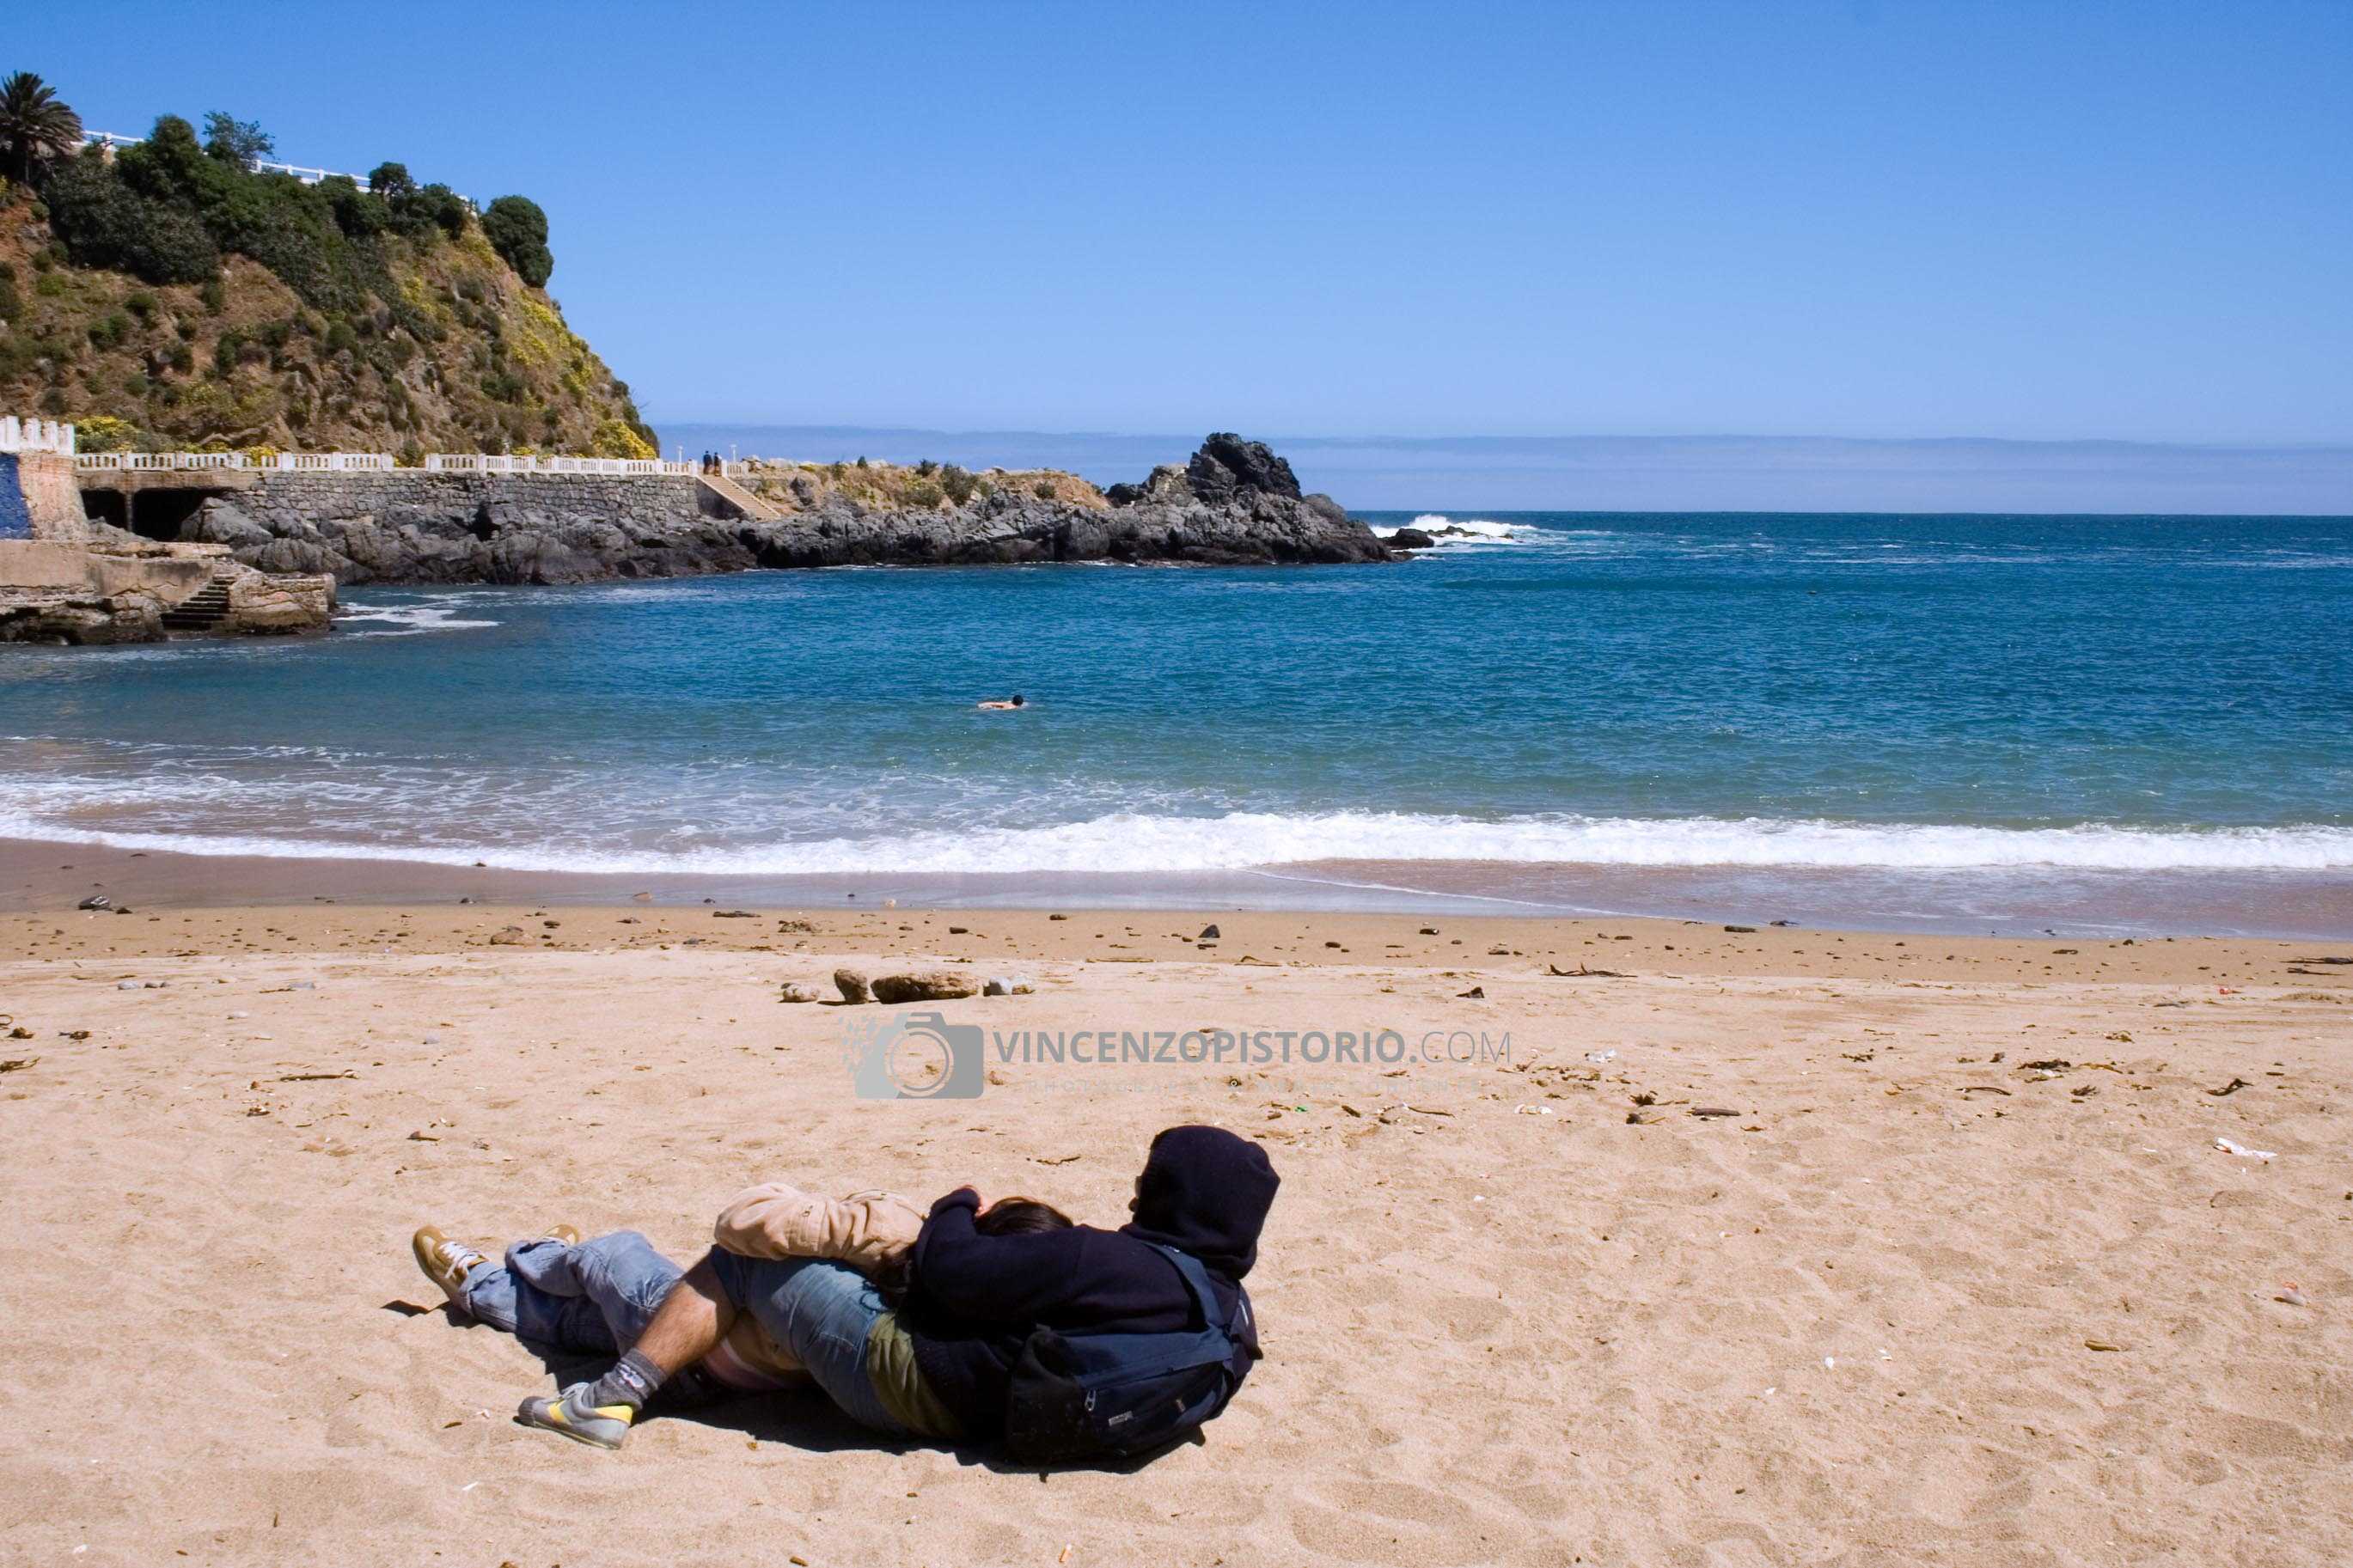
x: 1003, y: 705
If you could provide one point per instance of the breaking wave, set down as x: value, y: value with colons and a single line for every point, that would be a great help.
x: 1136, y: 843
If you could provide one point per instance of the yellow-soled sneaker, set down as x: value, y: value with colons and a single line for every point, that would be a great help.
x: 570, y: 1414
x: 446, y: 1262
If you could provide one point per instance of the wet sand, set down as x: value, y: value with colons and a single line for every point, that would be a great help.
x: 35, y: 874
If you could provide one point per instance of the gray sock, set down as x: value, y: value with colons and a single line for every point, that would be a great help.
x: 632, y: 1382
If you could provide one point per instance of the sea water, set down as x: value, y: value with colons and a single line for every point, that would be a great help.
x: 1956, y: 721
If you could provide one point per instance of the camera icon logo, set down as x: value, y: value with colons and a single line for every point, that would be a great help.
x: 915, y: 1055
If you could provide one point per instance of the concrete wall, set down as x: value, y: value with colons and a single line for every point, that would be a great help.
x: 54, y: 563
x: 43, y: 485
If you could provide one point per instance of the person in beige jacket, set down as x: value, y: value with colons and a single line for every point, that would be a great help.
x: 870, y: 1231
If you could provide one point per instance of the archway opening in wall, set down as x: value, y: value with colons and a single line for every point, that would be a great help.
x: 160, y: 513
x: 107, y: 506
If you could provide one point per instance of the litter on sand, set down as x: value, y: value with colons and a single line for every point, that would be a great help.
x: 2230, y: 1147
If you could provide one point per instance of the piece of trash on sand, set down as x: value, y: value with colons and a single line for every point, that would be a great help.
x: 2102, y: 1345
x: 2233, y: 1087
x: 1597, y: 1057
x: 2291, y: 1295
x: 1520, y: 1109
x: 2230, y: 1147
x: 1713, y: 1111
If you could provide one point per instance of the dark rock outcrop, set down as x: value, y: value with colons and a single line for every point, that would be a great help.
x: 1411, y: 539
x: 1235, y: 504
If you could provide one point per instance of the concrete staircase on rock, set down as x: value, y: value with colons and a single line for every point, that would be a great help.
x: 202, y: 611
x: 739, y: 497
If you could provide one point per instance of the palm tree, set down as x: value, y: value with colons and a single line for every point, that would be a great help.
x: 35, y: 124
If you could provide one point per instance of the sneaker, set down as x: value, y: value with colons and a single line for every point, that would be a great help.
x: 598, y: 1426
x: 446, y: 1262
x: 567, y: 1233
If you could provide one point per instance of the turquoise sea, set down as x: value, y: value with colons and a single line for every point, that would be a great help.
x: 1968, y: 722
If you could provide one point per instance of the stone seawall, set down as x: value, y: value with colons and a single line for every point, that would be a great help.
x: 1235, y: 504
x: 413, y: 527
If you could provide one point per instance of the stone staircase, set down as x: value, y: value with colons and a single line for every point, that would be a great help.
x: 202, y: 611
x: 739, y: 497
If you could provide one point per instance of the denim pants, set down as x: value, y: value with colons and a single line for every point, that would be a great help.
x: 595, y: 1298
x: 820, y: 1312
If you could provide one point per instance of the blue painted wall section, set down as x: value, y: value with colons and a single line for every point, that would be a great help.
x: 16, y: 520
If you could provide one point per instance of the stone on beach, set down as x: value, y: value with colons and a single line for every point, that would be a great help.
x: 852, y: 985
x: 931, y: 985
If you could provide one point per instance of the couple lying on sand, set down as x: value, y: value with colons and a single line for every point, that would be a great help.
x: 971, y: 1324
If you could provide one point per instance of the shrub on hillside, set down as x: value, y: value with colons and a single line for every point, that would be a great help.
x: 958, y: 484
x: 614, y: 439
x: 517, y: 230
x: 104, y: 222
x: 105, y: 432
x: 359, y: 215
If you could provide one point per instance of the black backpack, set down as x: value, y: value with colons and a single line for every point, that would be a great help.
x: 1080, y: 1395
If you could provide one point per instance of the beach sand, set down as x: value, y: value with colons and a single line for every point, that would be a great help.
x: 1918, y: 1301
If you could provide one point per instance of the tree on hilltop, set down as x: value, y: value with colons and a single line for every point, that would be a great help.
x: 36, y: 125
x: 239, y: 142
x: 391, y: 181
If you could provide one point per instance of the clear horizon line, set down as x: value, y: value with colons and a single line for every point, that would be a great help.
x: 1397, y: 439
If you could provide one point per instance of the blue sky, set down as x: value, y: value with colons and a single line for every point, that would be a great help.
x: 2028, y: 221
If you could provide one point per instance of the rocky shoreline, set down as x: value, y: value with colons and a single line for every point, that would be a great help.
x: 1235, y: 503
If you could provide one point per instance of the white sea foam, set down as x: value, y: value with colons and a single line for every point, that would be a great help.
x: 1134, y: 843
x: 406, y: 620
x: 1484, y: 530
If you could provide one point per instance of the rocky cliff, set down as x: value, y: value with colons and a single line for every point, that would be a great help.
x: 1235, y: 503
x: 168, y: 300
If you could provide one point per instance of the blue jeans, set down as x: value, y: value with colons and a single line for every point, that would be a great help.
x: 820, y: 1312
x: 595, y: 1298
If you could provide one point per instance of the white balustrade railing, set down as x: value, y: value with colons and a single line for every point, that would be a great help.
x: 185, y: 462
x: 36, y: 435
x: 579, y: 468
x: 336, y: 462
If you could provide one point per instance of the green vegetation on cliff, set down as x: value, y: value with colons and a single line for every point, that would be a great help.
x: 903, y: 487
x: 170, y: 294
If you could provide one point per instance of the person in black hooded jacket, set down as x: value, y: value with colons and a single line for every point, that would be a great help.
x: 974, y: 1299
x: 939, y: 1364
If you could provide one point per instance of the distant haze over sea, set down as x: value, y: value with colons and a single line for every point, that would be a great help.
x: 1644, y: 473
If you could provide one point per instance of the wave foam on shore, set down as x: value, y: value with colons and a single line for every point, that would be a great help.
x: 1128, y: 843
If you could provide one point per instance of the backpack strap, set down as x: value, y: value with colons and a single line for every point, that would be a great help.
x: 1197, y: 1280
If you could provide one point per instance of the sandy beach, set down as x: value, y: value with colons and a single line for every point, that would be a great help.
x: 1966, y: 1279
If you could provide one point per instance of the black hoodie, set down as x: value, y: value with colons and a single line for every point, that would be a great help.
x: 976, y: 1298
